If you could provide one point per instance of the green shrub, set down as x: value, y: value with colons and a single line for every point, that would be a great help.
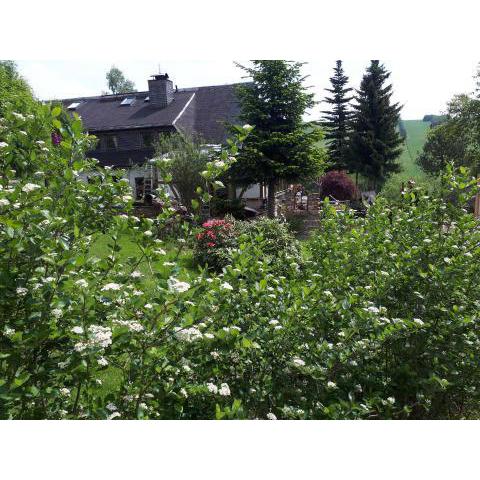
x: 220, y: 241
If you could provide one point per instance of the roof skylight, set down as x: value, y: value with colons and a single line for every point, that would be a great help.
x: 73, y: 105
x: 128, y: 101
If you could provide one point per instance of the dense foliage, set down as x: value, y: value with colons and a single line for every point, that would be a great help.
x: 337, y: 186
x: 279, y: 147
x: 375, y: 141
x: 221, y: 240
x: 456, y: 139
x: 337, y: 120
x: 379, y: 320
x: 187, y: 162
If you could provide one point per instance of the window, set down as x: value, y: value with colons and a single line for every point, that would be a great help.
x: 128, y: 101
x: 73, y: 105
x: 110, y: 142
x: 147, y: 139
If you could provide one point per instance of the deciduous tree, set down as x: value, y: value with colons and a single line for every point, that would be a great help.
x: 117, y: 83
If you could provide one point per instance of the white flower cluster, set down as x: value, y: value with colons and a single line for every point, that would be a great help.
x: 132, y: 325
x: 99, y: 337
x: 111, y: 286
x: 175, y: 285
x: 298, y: 362
x: 188, y: 334
x: 224, y: 389
x: 21, y: 291
x: 30, y: 187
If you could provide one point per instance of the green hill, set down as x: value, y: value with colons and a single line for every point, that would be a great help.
x: 416, y: 135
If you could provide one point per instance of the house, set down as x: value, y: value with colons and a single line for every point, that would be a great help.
x: 127, y: 124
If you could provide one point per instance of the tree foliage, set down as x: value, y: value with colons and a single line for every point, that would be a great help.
x: 15, y: 93
x: 280, y: 146
x: 338, y: 186
x: 337, y: 120
x: 456, y: 140
x: 117, y: 83
x: 188, y: 160
x: 376, y: 143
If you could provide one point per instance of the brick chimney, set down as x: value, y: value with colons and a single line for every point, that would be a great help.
x: 160, y: 90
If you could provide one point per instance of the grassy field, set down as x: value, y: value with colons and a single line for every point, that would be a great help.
x: 416, y: 135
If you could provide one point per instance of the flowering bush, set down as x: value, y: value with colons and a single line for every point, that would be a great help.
x: 214, y: 243
x: 219, y: 240
x: 381, y: 320
x: 338, y: 186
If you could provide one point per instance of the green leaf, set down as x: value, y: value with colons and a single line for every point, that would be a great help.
x: 56, y: 111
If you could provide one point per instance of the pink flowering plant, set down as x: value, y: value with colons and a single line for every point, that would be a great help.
x: 214, y: 243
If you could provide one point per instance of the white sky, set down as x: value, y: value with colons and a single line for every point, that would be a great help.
x: 422, y: 87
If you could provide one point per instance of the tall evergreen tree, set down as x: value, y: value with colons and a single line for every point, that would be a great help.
x: 337, y: 120
x: 375, y: 143
x: 280, y: 145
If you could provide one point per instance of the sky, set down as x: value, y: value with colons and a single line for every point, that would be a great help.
x: 422, y: 87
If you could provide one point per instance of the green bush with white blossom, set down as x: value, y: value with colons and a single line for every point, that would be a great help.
x: 380, y: 319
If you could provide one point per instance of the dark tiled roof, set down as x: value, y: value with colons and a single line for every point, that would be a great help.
x: 202, y: 111
x: 107, y: 113
x: 208, y: 112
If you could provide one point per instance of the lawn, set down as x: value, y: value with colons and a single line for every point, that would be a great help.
x: 128, y: 248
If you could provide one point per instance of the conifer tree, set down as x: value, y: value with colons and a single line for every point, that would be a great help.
x: 280, y: 146
x: 337, y: 120
x: 375, y: 142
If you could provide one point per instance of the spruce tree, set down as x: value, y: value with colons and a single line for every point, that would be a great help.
x: 375, y: 142
x: 280, y: 146
x: 337, y: 120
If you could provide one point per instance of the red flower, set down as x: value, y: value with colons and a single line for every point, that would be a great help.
x: 210, y: 244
